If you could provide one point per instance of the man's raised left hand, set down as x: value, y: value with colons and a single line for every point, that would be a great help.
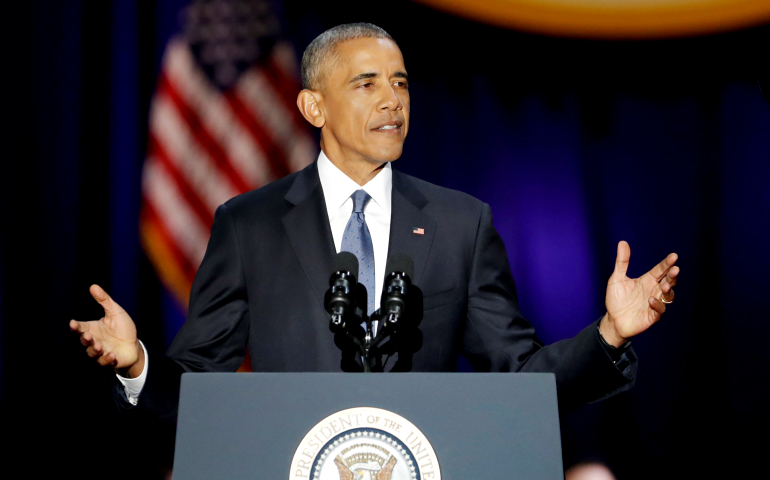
x: 634, y: 304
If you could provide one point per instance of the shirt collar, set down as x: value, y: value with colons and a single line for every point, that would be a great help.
x: 338, y: 187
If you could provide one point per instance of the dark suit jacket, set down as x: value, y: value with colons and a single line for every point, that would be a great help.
x: 262, y: 282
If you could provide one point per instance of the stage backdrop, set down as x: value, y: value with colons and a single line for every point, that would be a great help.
x: 576, y: 144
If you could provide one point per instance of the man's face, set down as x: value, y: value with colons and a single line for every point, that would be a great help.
x: 365, y: 102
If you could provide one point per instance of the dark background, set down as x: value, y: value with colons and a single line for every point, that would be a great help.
x: 576, y: 144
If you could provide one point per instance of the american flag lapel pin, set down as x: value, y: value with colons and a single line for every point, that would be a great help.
x: 418, y: 231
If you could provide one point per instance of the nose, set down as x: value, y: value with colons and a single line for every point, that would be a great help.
x: 390, y: 100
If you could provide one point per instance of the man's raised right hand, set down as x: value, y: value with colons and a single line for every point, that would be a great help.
x: 111, y: 339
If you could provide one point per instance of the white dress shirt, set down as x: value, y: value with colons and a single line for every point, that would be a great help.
x: 337, y: 188
x: 133, y: 386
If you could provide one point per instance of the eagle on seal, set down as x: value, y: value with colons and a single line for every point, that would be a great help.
x: 361, y: 474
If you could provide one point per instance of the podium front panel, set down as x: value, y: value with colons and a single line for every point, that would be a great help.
x: 480, y: 425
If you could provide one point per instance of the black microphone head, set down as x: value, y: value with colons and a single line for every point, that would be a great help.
x: 346, y: 262
x: 400, y: 263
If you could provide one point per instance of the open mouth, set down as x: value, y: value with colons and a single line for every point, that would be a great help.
x: 392, y: 126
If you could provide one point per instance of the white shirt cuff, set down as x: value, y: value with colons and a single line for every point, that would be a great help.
x: 133, y: 386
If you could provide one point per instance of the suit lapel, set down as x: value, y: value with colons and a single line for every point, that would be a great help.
x: 407, y: 205
x: 310, y: 236
x: 307, y: 226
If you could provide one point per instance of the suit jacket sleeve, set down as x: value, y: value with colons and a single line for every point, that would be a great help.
x: 498, y: 338
x: 214, y: 337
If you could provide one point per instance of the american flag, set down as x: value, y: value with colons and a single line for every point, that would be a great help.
x: 223, y: 121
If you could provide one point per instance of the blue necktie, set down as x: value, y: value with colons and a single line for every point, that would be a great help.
x: 358, y: 241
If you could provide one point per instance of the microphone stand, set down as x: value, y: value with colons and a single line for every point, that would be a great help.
x: 371, y: 341
x: 367, y: 348
x: 393, y: 306
x: 368, y: 343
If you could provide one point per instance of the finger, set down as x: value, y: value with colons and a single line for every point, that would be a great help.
x: 666, y: 284
x: 672, y: 276
x: 79, y: 327
x: 110, y: 359
x: 658, y: 306
x: 622, y: 258
x: 667, y: 295
x: 91, y: 351
x: 659, y: 270
x: 109, y: 305
x: 87, y: 339
x: 105, y: 360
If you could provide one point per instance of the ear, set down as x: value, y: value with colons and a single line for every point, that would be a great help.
x: 308, y: 104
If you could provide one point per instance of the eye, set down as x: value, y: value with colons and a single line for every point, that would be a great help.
x: 367, y: 85
x: 401, y: 83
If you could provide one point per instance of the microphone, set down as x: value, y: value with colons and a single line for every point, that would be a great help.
x: 340, y: 299
x: 394, y: 292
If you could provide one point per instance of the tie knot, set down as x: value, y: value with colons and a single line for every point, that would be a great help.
x: 360, y: 199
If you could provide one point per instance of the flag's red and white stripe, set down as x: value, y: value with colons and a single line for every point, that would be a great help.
x: 206, y: 146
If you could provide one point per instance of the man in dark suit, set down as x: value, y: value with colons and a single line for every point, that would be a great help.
x: 262, y: 281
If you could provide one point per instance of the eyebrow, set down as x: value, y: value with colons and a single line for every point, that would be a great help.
x: 363, y: 76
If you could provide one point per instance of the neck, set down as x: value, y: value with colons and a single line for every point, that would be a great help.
x: 359, y: 170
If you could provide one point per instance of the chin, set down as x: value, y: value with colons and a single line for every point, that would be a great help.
x: 390, y: 154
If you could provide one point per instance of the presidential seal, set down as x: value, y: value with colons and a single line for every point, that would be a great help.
x: 365, y: 444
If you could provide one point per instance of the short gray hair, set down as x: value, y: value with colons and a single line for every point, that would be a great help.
x: 322, y: 49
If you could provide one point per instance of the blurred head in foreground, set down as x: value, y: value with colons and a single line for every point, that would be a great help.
x: 589, y: 471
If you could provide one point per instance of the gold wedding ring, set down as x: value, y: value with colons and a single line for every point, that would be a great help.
x: 664, y: 301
